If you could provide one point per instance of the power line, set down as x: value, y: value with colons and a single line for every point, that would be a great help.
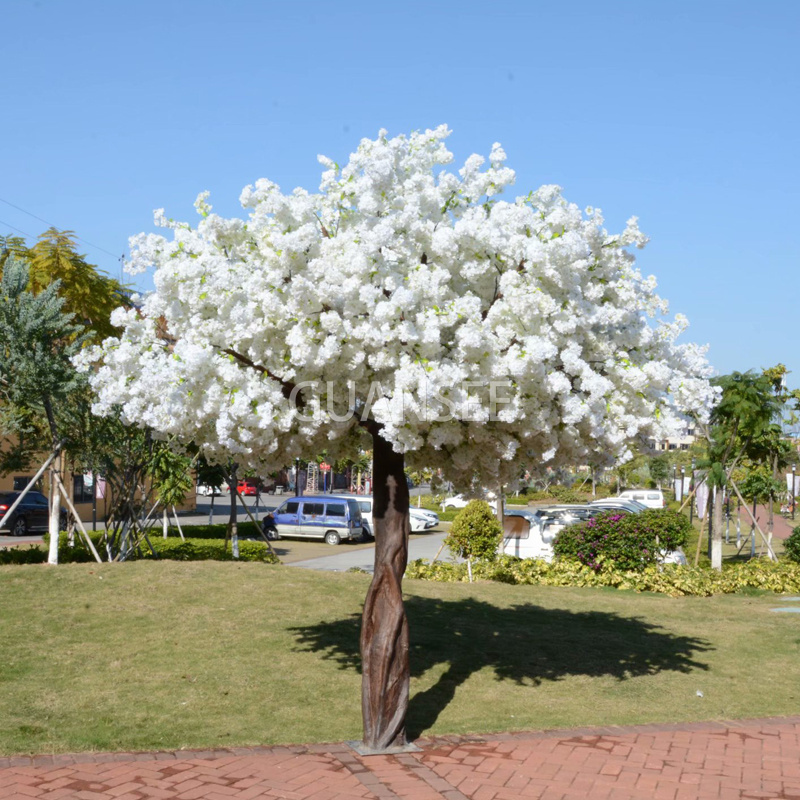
x: 18, y: 230
x: 85, y: 241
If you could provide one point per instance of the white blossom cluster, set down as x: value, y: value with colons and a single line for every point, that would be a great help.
x: 401, y: 273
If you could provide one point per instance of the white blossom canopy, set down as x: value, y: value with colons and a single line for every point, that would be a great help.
x: 501, y: 333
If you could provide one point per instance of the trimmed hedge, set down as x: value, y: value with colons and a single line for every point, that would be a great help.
x: 676, y: 581
x: 208, y: 550
x: 173, y: 548
x: 22, y: 555
x: 215, y: 531
x: 629, y: 541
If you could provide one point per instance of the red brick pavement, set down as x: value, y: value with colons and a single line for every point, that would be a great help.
x: 748, y: 760
x: 782, y: 527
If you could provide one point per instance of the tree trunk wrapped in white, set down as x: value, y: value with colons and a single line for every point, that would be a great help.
x: 403, y: 306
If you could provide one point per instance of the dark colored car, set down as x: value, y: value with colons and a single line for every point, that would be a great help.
x: 32, y: 514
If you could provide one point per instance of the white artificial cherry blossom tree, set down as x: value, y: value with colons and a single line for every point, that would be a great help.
x: 406, y: 304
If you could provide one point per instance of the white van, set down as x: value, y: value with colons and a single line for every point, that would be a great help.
x: 421, y: 519
x: 652, y: 498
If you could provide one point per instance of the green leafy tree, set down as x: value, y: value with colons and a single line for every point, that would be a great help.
x: 659, y: 469
x: 37, y: 340
x: 744, y: 413
x: 760, y: 487
x: 88, y: 293
x: 171, y: 477
x: 475, y: 533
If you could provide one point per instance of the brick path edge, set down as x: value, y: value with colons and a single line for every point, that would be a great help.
x: 336, y: 748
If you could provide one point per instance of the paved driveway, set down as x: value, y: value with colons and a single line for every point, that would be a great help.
x: 424, y: 545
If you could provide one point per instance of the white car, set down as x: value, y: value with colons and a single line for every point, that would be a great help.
x: 652, y: 498
x: 624, y: 503
x: 420, y: 518
x: 208, y: 491
x: 460, y: 500
x: 425, y: 512
x: 530, y: 534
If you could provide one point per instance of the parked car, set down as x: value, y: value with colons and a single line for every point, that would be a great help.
x: 652, y: 498
x: 420, y: 518
x: 526, y: 536
x: 246, y: 487
x: 621, y: 503
x: 32, y: 514
x: 425, y: 512
x: 328, y: 517
x: 208, y: 491
x: 530, y: 534
x: 461, y: 500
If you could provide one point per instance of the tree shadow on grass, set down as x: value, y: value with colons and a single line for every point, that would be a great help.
x: 524, y: 643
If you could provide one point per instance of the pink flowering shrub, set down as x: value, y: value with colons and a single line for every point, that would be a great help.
x: 628, y: 541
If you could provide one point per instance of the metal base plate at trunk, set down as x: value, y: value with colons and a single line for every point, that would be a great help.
x: 363, y: 750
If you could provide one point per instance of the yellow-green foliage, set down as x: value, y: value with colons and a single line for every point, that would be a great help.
x: 476, y: 532
x: 674, y: 580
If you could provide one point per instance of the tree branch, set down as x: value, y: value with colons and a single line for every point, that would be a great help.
x: 287, y: 387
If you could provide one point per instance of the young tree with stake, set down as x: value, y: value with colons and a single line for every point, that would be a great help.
x: 405, y: 305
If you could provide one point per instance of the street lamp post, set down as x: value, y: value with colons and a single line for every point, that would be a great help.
x: 794, y: 467
x: 683, y: 480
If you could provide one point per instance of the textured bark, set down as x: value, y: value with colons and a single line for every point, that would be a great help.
x: 55, y: 498
x: 716, y: 541
x: 384, y: 629
x: 54, y: 523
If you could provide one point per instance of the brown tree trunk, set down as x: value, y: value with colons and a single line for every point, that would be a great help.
x: 384, y: 628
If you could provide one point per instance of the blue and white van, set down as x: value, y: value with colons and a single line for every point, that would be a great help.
x: 326, y: 516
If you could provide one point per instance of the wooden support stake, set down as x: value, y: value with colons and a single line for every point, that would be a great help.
x: 77, y: 518
x: 31, y: 484
x: 258, y: 527
x: 755, y: 521
x: 438, y: 553
x: 178, y: 523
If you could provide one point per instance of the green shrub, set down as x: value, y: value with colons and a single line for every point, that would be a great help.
x: 677, y: 581
x: 564, y: 494
x: 173, y: 548
x: 628, y: 541
x: 792, y: 545
x: 215, y: 531
x: 475, y: 533
x: 208, y: 550
x: 22, y: 555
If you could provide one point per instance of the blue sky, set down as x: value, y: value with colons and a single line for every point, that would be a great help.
x: 684, y: 113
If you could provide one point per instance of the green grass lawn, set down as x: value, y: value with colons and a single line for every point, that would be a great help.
x: 171, y: 654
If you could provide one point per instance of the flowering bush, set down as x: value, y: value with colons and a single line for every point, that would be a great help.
x: 628, y: 541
